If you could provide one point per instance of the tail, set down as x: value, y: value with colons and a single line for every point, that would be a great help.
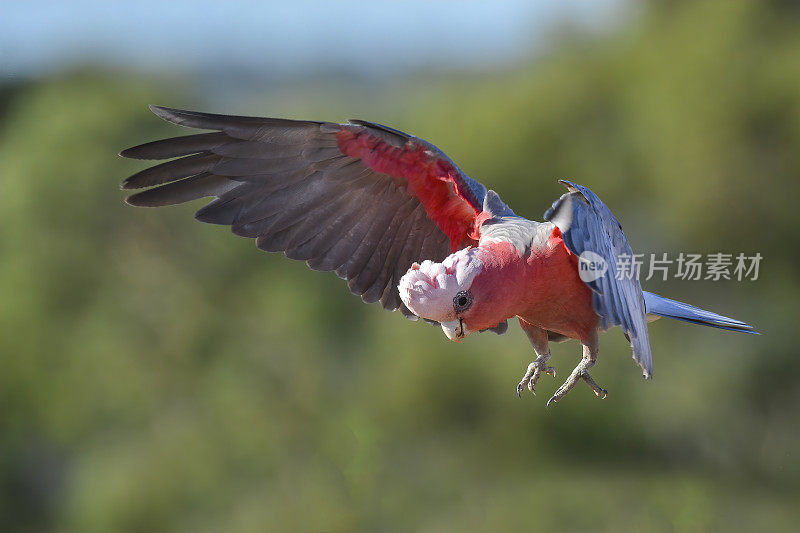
x: 660, y: 306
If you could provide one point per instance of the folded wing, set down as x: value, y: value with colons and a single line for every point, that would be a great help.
x: 360, y: 199
x: 588, y: 225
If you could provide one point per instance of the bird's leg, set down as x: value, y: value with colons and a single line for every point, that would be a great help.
x: 590, y: 349
x: 541, y: 346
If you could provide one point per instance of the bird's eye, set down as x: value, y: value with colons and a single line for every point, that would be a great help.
x: 462, y: 301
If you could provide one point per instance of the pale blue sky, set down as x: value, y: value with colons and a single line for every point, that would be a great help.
x: 290, y: 37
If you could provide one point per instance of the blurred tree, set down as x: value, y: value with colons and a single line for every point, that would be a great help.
x: 159, y: 375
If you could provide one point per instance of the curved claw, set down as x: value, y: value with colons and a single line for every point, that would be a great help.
x: 599, y: 391
x: 521, y: 387
x: 580, y: 373
x: 532, y: 374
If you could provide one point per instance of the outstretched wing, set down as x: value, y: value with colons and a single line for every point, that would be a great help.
x: 587, y: 225
x: 360, y: 199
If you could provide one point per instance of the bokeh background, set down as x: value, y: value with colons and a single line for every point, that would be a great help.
x: 157, y: 374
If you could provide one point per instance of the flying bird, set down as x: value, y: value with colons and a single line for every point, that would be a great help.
x: 395, y: 217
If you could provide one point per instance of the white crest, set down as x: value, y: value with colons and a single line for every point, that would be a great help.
x: 428, y: 289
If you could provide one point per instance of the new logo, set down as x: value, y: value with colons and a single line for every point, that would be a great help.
x: 591, y: 266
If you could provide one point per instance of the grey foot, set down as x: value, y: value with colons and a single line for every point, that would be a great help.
x: 581, y: 372
x: 533, y: 373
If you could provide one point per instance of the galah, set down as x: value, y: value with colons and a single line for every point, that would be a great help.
x: 395, y: 217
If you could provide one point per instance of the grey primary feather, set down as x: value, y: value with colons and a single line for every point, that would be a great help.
x: 167, y: 148
x: 287, y: 184
x: 178, y: 192
x: 171, y: 171
x: 588, y: 225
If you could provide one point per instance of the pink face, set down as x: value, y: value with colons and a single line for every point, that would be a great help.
x: 448, y: 293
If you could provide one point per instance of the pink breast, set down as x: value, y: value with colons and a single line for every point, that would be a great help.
x: 542, y: 287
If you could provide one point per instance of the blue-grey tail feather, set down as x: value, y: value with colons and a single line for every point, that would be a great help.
x: 658, y: 305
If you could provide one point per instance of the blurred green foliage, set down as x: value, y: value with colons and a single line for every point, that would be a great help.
x: 161, y: 375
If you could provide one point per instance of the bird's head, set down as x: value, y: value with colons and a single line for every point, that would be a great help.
x: 444, y: 292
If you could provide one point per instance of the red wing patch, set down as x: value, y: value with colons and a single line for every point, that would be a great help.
x: 432, y: 180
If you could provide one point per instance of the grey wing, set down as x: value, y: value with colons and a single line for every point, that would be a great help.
x: 288, y: 184
x: 588, y: 225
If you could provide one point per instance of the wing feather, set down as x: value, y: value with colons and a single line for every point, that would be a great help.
x: 361, y: 199
x: 588, y: 225
x: 172, y: 171
x: 371, y: 281
x: 372, y: 239
x: 192, y: 188
x: 400, y: 226
x: 178, y: 146
x: 390, y: 298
